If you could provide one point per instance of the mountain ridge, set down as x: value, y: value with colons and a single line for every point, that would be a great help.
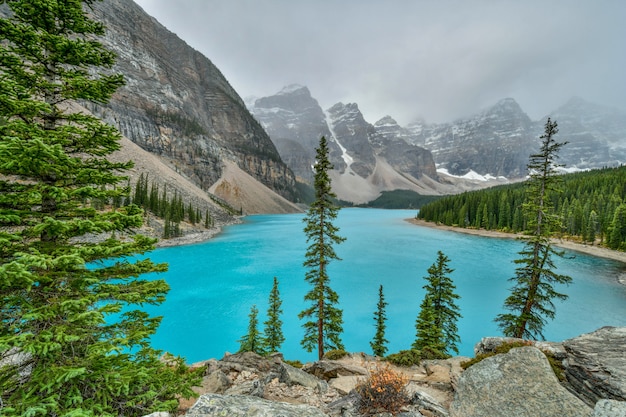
x: 490, y: 147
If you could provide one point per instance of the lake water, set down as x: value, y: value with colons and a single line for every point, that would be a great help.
x: 214, y: 284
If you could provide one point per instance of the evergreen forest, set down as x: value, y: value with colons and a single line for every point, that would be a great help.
x: 591, y: 204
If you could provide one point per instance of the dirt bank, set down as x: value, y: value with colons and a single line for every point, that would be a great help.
x: 565, y: 244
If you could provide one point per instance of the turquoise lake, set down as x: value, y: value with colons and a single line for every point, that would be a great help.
x: 214, y: 284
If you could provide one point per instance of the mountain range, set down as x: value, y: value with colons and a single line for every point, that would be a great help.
x: 487, y: 148
x: 178, y: 112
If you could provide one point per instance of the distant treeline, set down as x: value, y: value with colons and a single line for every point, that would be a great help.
x: 592, y: 207
x: 400, y: 199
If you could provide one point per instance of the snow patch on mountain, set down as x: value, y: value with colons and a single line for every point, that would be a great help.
x: 344, y: 152
x: 473, y: 175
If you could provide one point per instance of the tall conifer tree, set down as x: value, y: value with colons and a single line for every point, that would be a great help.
x: 59, y: 292
x: 436, y: 323
x: 531, y: 299
x: 325, y: 325
x: 274, y: 337
x: 379, y: 343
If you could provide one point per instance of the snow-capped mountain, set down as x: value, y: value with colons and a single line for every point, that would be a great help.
x: 490, y: 147
x: 495, y: 142
x: 498, y: 141
x: 596, y: 135
x: 295, y: 122
x: 365, y: 162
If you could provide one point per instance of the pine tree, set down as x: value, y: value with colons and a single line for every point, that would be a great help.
x: 68, y: 306
x: 428, y: 334
x: 436, y: 323
x: 207, y: 219
x: 379, y: 343
x: 326, y: 320
x: 253, y: 340
x: 273, y: 331
x: 531, y: 297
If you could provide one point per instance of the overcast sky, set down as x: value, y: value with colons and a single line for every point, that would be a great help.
x: 434, y: 59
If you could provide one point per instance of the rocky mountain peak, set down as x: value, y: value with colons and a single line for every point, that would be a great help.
x: 293, y: 89
x: 293, y: 98
x: 505, y: 110
x: 386, y: 121
x: 295, y: 122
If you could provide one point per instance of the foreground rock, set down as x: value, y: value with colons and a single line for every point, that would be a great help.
x: 210, y: 405
x: 596, y: 364
x: 517, y: 384
x: 610, y: 408
x: 520, y: 383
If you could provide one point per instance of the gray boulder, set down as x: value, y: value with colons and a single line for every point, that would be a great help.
x: 517, y: 384
x: 294, y: 376
x: 328, y: 370
x: 254, y: 388
x: 610, y: 408
x: 246, y: 361
x: 217, y: 382
x: 423, y: 401
x: 214, y: 405
x: 596, y: 364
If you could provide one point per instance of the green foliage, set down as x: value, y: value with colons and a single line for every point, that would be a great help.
x: 436, y: 323
x: 400, y: 199
x: 405, y: 357
x: 171, y: 210
x: 68, y: 305
x: 384, y: 390
x: 617, y: 229
x: 274, y: 337
x: 379, y: 341
x: 253, y: 340
x: 415, y: 356
x: 325, y: 324
x: 335, y: 354
x: 530, y: 302
x: 295, y: 364
x: 587, y: 205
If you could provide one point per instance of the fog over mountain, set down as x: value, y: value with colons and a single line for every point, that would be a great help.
x: 437, y: 60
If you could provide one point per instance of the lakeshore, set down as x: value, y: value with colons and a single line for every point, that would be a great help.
x: 565, y: 244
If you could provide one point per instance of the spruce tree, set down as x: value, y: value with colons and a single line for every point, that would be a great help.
x: 76, y: 341
x: 273, y: 331
x: 379, y: 343
x: 325, y: 325
x: 428, y: 334
x: 436, y: 323
x: 531, y: 299
x: 253, y: 340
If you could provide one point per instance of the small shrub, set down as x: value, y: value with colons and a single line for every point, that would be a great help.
x: 383, y: 391
x: 336, y: 354
x: 432, y: 353
x: 295, y: 364
x: 405, y: 357
x: 556, y: 365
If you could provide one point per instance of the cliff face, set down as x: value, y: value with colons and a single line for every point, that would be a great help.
x: 178, y: 105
